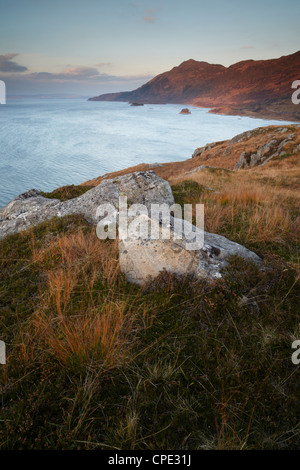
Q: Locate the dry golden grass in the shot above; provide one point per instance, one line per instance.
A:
(97, 363)
(95, 335)
(78, 321)
(251, 206)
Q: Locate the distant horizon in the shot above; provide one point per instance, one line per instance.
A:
(92, 47)
(61, 95)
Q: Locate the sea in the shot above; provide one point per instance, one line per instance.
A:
(47, 143)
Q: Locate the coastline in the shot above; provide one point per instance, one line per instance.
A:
(262, 114)
(279, 112)
(85, 147)
(222, 155)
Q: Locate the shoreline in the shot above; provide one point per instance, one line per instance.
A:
(285, 113)
(92, 154)
(221, 155)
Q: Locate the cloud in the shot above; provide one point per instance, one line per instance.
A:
(47, 83)
(80, 72)
(73, 73)
(149, 19)
(103, 64)
(247, 47)
(8, 65)
(89, 80)
(84, 74)
(150, 16)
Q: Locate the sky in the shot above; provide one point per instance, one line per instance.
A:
(89, 47)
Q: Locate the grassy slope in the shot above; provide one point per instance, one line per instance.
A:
(94, 362)
(223, 154)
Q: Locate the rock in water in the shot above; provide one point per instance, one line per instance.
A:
(31, 208)
(144, 259)
(185, 111)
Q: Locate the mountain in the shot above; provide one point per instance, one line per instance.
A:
(260, 88)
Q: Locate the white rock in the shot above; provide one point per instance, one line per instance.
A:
(143, 259)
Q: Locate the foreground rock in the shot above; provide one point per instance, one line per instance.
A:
(139, 258)
(31, 208)
(144, 259)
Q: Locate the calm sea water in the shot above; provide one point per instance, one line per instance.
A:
(49, 143)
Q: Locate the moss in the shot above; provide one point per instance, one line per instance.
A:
(187, 192)
(67, 192)
(283, 156)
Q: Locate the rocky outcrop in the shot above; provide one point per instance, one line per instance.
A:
(264, 153)
(31, 208)
(247, 150)
(200, 150)
(143, 259)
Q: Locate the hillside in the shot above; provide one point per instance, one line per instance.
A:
(255, 88)
(95, 362)
(280, 146)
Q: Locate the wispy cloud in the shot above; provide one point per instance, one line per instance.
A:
(103, 64)
(74, 73)
(247, 47)
(8, 65)
(149, 19)
(150, 16)
(71, 79)
(84, 74)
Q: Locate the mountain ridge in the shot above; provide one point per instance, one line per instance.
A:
(258, 88)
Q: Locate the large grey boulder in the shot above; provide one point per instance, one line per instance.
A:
(142, 259)
(31, 208)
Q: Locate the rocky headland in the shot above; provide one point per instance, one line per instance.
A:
(256, 88)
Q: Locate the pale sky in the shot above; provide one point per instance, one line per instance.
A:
(89, 47)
